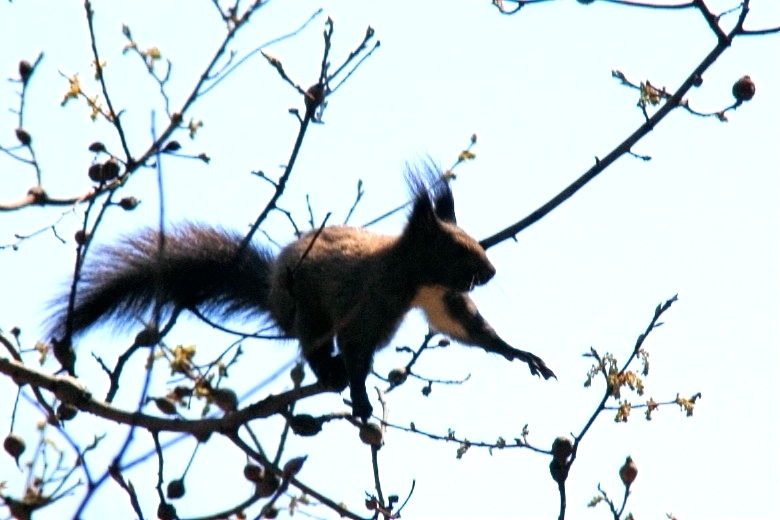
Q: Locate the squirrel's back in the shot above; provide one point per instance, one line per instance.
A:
(329, 271)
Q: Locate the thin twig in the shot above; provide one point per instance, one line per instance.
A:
(650, 5)
(450, 437)
(282, 182)
(101, 78)
(338, 508)
(621, 149)
(222, 76)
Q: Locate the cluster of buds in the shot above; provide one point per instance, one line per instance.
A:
(102, 172)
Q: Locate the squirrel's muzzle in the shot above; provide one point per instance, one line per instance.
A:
(485, 272)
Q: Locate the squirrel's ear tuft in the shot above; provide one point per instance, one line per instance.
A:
(431, 191)
(423, 215)
(444, 202)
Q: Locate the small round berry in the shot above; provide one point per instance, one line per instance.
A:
(561, 449)
(744, 89)
(14, 445)
(628, 472)
(371, 434)
(175, 489)
(25, 70)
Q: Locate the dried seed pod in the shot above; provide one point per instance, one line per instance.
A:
(166, 511)
(268, 485)
(109, 170)
(397, 376)
(166, 406)
(628, 472)
(25, 70)
(97, 147)
(305, 425)
(371, 434)
(744, 89)
(253, 472)
(14, 445)
(296, 374)
(147, 337)
(128, 203)
(561, 449)
(175, 489)
(315, 95)
(94, 172)
(66, 412)
(23, 136)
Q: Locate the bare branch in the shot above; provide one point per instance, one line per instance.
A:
(113, 115)
(70, 391)
(673, 101)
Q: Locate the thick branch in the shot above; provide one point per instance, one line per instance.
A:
(69, 390)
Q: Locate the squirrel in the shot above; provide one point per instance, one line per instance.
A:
(338, 284)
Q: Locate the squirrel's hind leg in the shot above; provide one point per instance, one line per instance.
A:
(316, 336)
(327, 366)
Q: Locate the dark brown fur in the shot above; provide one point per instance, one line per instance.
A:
(345, 284)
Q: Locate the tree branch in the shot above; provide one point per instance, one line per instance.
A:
(624, 147)
(70, 390)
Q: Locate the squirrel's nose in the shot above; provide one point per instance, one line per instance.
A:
(486, 272)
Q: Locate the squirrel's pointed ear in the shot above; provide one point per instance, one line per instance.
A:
(432, 194)
(423, 213)
(445, 203)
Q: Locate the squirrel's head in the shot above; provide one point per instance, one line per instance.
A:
(443, 254)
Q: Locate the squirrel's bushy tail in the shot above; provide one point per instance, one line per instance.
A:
(197, 267)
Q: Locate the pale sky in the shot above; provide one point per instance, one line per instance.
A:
(700, 220)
